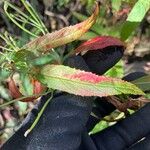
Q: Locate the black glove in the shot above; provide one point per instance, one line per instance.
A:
(65, 123)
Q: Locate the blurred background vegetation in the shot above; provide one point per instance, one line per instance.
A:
(57, 14)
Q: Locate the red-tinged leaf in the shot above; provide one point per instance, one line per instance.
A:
(61, 37)
(38, 87)
(84, 83)
(15, 93)
(99, 43)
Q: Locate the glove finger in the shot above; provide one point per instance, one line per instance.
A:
(101, 109)
(87, 143)
(133, 76)
(144, 144)
(100, 61)
(77, 62)
(126, 132)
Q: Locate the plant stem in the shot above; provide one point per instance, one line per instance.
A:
(38, 116)
(6, 39)
(34, 15)
(19, 99)
(41, 22)
(29, 10)
(25, 21)
(15, 22)
(15, 8)
(6, 48)
(24, 16)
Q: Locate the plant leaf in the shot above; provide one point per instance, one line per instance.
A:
(139, 10)
(96, 28)
(147, 95)
(136, 15)
(116, 4)
(22, 60)
(66, 35)
(15, 93)
(127, 29)
(84, 83)
(98, 43)
(26, 85)
(143, 83)
(116, 71)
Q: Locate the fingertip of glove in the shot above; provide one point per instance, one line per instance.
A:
(103, 107)
(99, 61)
(76, 62)
(133, 76)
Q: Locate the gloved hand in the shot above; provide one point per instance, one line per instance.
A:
(66, 121)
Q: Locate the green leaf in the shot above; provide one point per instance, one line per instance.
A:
(27, 87)
(128, 29)
(99, 127)
(22, 59)
(139, 10)
(4, 74)
(4, 93)
(22, 108)
(116, 4)
(135, 17)
(147, 95)
(45, 59)
(84, 83)
(116, 71)
(143, 83)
